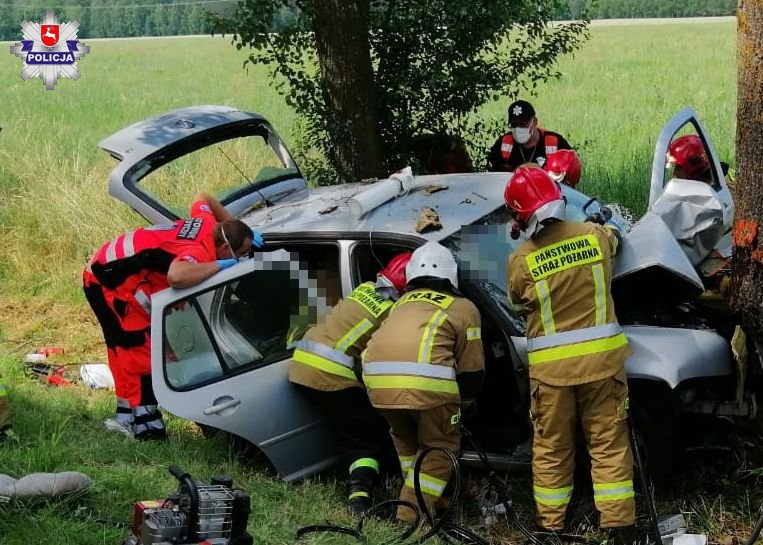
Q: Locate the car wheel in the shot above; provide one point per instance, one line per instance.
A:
(655, 414)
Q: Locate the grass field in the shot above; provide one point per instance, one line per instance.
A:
(613, 97)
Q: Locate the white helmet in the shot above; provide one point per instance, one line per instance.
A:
(433, 259)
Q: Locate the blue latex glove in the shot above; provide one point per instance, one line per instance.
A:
(257, 240)
(225, 263)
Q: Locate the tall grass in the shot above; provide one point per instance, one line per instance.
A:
(611, 101)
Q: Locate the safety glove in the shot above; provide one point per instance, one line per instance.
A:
(225, 263)
(257, 239)
(601, 217)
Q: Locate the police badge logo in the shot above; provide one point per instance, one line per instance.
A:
(50, 50)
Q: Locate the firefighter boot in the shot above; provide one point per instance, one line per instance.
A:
(625, 535)
(363, 475)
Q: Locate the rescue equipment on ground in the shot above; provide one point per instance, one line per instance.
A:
(36, 485)
(213, 514)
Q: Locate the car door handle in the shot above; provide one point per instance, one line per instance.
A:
(214, 409)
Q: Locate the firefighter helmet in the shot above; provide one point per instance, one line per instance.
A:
(564, 167)
(688, 153)
(433, 259)
(534, 196)
(394, 273)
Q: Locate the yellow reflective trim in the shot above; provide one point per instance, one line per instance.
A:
(427, 339)
(574, 350)
(429, 484)
(473, 333)
(352, 336)
(359, 495)
(552, 496)
(365, 462)
(367, 297)
(564, 490)
(614, 497)
(546, 314)
(432, 297)
(612, 486)
(380, 382)
(323, 364)
(564, 255)
(601, 294)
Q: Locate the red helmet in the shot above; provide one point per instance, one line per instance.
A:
(395, 270)
(529, 189)
(688, 153)
(564, 167)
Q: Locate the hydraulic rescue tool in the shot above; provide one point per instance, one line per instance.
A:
(197, 514)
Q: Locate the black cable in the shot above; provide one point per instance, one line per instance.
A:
(756, 531)
(654, 529)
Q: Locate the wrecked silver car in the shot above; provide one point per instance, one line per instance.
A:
(221, 349)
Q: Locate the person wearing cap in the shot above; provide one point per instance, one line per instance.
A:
(526, 142)
(326, 367)
(421, 367)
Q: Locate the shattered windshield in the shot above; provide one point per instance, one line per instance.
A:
(482, 249)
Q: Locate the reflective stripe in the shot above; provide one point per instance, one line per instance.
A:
(410, 383)
(111, 251)
(427, 340)
(359, 495)
(352, 336)
(552, 496)
(613, 491)
(473, 333)
(323, 364)
(406, 462)
(409, 369)
(144, 300)
(547, 316)
(575, 350)
(574, 336)
(127, 244)
(550, 150)
(325, 352)
(365, 462)
(429, 484)
(601, 294)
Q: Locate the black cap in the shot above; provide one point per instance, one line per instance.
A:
(520, 111)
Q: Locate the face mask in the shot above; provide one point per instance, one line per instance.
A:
(521, 134)
(232, 254)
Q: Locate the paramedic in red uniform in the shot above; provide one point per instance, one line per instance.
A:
(123, 274)
(526, 142)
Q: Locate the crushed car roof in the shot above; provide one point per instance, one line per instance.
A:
(468, 198)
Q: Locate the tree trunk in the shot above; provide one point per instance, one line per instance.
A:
(747, 282)
(344, 58)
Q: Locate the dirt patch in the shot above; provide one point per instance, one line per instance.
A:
(30, 323)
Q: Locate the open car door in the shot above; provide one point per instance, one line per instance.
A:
(235, 155)
(220, 356)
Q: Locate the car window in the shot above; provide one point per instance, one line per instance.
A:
(223, 169)
(249, 322)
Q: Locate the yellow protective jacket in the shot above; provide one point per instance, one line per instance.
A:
(428, 340)
(327, 356)
(560, 280)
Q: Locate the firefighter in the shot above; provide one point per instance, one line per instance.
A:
(526, 142)
(326, 366)
(422, 366)
(560, 280)
(564, 167)
(6, 431)
(123, 274)
(688, 159)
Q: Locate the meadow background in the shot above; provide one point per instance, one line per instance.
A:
(612, 99)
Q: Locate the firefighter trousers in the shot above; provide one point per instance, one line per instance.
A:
(600, 408)
(413, 432)
(361, 432)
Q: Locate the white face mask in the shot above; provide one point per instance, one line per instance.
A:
(521, 134)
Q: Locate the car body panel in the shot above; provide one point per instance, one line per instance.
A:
(147, 145)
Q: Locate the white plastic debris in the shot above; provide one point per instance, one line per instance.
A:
(97, 376)
(35, 358)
